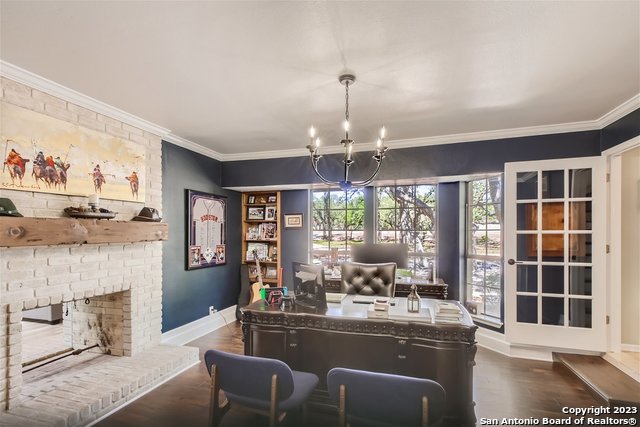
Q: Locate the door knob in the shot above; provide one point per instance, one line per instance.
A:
(511, 261)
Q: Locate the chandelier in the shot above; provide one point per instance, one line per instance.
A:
(347, 143)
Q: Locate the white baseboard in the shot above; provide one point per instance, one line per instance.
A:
(495, 341)
(191, 331)
(630, 347)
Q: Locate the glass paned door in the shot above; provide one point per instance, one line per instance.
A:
(555, 253)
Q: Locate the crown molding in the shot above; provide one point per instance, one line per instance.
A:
(20, 75)
(35, 81)
(192, 146)
(426, 141)
(620, 111)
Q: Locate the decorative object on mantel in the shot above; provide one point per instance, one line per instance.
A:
(148, 214)
(347, 143)
(15, 232)
(48, 155)
(7, 208)
(84, 212)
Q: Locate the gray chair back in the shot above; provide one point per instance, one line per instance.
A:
(250, 376)
(368, 279)
(378, 399)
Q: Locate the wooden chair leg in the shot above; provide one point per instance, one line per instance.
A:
(273, 407)
(342, 409)
(425, 411)
(213, 400)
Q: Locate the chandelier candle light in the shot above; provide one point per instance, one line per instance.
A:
(347, 143)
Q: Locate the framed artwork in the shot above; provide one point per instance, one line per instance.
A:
(255, 213)
(251, 200)
(293, 220)
(206, 230)
(49, 155)
(272, 199)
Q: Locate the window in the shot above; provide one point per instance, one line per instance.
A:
(484, 245)
(407, 214)
(338, 222)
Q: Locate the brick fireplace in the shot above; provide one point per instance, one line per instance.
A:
(123, 282)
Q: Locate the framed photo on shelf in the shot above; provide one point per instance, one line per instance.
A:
(271, 213)
(206, 230)
(255, 213)
(261, 199)
(251, 200)
(269, 231)
(293, 220)
(271, 273)
(253, 271)
(272, 199)
(262, 249)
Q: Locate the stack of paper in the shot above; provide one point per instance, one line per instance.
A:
(447, 312)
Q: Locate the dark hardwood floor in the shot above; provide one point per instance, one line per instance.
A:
(503, 387)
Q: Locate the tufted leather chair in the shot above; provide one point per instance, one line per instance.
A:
(368, 279)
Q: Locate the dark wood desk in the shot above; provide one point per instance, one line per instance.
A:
(342, 336)
(426, 288)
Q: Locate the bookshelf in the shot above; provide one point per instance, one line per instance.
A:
(261, 232)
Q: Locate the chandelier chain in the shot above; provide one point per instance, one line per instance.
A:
(346, 101)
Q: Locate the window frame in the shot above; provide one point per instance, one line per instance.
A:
(329, 258)
(491, 319)
(413, 254)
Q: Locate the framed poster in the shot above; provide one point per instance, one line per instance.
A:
(206, 230)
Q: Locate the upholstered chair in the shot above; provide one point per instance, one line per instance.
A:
(384, 400)
(266, 386)
(368, 279)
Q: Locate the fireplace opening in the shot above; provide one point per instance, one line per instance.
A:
(69, 337)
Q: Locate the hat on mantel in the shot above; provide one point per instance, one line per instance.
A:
(148, 214)
(7, 208)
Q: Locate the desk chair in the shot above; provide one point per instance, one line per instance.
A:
(368, 279)
(385, 400)
(266, 386)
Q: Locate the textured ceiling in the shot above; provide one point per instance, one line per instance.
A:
(241, 77)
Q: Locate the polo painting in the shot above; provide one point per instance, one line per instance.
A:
(48, 155)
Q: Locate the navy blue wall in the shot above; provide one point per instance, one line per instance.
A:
(419, 162)
(187, 295)
(620, 131)
(294, 241)
(450, 251)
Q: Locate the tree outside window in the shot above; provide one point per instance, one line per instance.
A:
(407, 214)
(338, 222)
(484, 245)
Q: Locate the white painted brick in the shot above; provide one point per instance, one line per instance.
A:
(46, 252)
(22, 100)
(63, 278)
(14, 86)
(93, 274)
(91, 123)
(81, 111)
(50, 291)
(61, 260)
(61, 113)
(117, 131)
(48, 99)
(51, 270)
(109, 121)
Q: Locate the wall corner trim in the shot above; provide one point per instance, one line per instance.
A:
(192, 146)
(191, 331)
(620, 111)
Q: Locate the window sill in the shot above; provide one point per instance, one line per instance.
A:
(486, 320)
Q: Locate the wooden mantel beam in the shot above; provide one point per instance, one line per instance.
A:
(15, 231)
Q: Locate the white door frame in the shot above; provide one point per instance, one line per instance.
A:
(614, 232)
